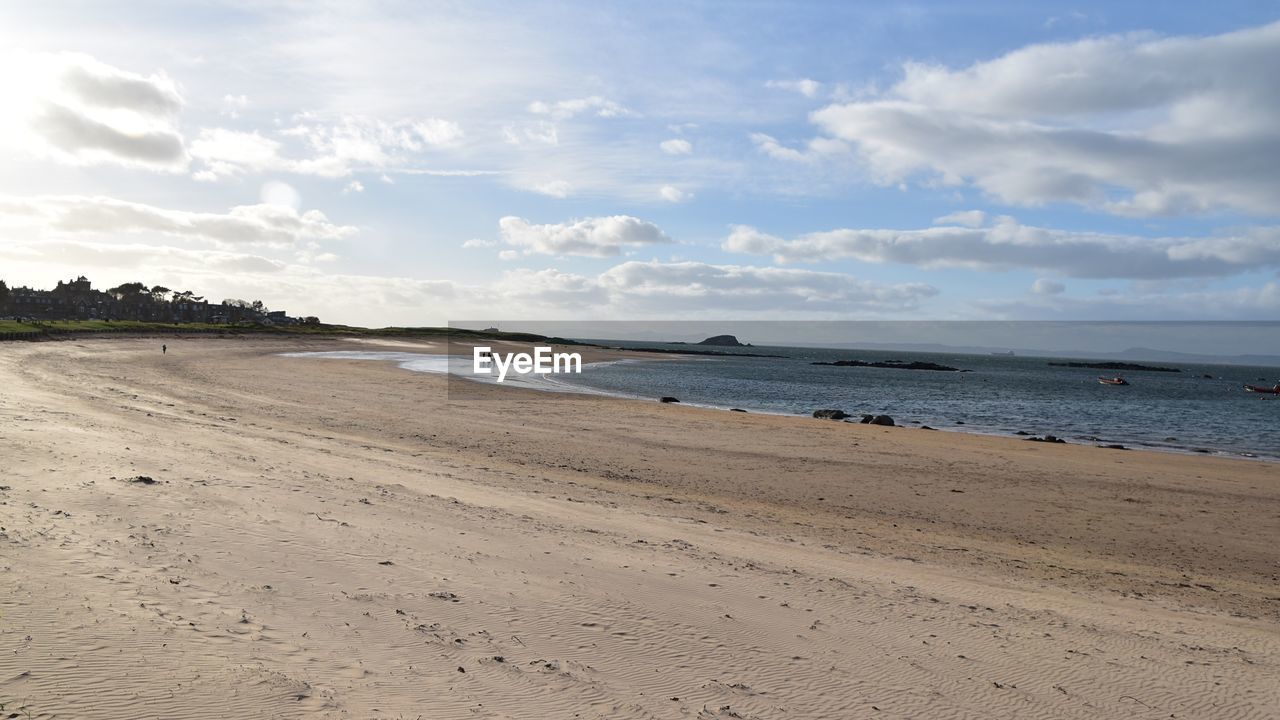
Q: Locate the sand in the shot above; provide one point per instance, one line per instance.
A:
(336, 539)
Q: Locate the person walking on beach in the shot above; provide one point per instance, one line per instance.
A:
(164, 349)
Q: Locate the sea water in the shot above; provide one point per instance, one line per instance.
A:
(1181, 411)
(998, 394)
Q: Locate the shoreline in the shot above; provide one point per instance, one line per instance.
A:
(569, 386)
(975, 430)
(427, 346)
(342, 540)
(967, 444)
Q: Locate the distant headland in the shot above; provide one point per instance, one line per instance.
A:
(75, 307)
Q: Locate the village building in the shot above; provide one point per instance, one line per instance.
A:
(78, 300)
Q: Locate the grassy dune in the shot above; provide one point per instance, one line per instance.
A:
(135, 326)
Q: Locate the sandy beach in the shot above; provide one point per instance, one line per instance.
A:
(222, 532)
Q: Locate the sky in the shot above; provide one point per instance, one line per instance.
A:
(415, 163)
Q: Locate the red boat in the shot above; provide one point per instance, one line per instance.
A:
(1113, 381)
(1259, 389)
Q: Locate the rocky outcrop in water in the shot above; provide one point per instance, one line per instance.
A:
(1114, 366)
(892, 365)
(723, 341)
(830, 414)
(1048, 439)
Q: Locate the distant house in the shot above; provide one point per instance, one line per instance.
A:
(192, 311)
(280, 317)
(72, 300)
(29, 303)
(77, 300)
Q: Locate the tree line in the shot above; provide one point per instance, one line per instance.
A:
(131, 300)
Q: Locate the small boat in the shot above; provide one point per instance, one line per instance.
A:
(1113, 381)
(1259, 389)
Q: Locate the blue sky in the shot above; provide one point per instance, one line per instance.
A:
(412, 163)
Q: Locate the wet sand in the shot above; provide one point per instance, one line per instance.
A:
(338, 539)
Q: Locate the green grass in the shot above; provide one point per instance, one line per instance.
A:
(59, 326)
(89, 326)
(12, 326)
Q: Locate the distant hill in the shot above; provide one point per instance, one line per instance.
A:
(1140, 353)
(1136, 353)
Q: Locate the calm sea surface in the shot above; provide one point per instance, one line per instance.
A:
(1183, 411)
(1000, 395)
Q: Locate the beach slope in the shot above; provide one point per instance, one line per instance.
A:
(224, 532)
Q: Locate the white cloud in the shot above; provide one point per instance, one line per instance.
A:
(595, 104)
(80, 111)
(227, 152)
(266, 224)
(436, 172)
(81, 138)
(431, 131)
(96, 84)
(676, 146)
(633, 289)
(630, 289)
(673, 194)
(804, 86)
(681, 286)
(1130, 124)
(280, 194)
(551, 288)
(770, 146)
(96, 255)
(967, 218)
(233, 104)
(331, 150)
(547, 132)
(591, 237)
(1044, 286)
(746, 239)
(1007, 244)
(355, 186)
(540, 133)
(553, 188)
(815, 149)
